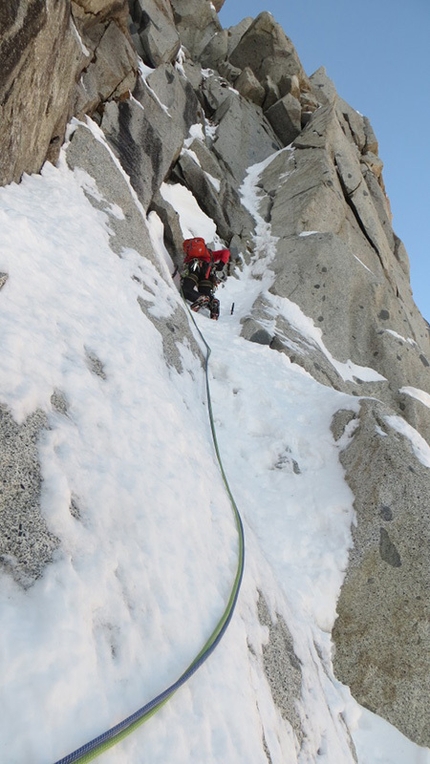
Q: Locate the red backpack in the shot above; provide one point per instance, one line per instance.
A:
(196, 249)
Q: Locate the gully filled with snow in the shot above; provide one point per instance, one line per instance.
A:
(143, 543)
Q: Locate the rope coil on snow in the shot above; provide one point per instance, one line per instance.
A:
(108, 739)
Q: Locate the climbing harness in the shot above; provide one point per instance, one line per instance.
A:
(108, 739)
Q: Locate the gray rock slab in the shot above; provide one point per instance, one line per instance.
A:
(371, 172)
(371, 141)
(308, 195)
(87, 153)
(145, 138)
(176, 94)
(283, 668)
(207, 159)
(342, 131)
(360, 318)
(244, 136)
(354, 121)
(215, 190)
(381, 635)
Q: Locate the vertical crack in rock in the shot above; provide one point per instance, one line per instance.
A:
(353, 208)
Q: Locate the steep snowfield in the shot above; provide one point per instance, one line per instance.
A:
(132, 489)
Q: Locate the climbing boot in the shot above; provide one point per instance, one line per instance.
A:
(214, 308)
(201, 302)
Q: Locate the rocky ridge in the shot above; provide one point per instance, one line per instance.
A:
(179, 99)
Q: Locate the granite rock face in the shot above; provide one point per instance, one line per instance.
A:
(41, 58)
(384, 602)
(338, 259)
(143, 133)
(57, 60)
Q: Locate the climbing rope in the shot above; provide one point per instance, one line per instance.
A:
(111, 737)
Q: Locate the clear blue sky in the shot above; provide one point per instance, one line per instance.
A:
(377, 52)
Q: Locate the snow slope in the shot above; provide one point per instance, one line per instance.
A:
(133, 492)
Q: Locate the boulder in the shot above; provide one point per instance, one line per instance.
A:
(193, 73)
(196, 22)
(41, 57)
(155, 34)
(228, 71)
(381, 635)
(272, 92)
(285, 116)
(250, 88)
(215, 91)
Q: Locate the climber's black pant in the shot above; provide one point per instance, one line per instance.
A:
(192, 289)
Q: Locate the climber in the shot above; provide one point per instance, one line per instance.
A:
(202, 274)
